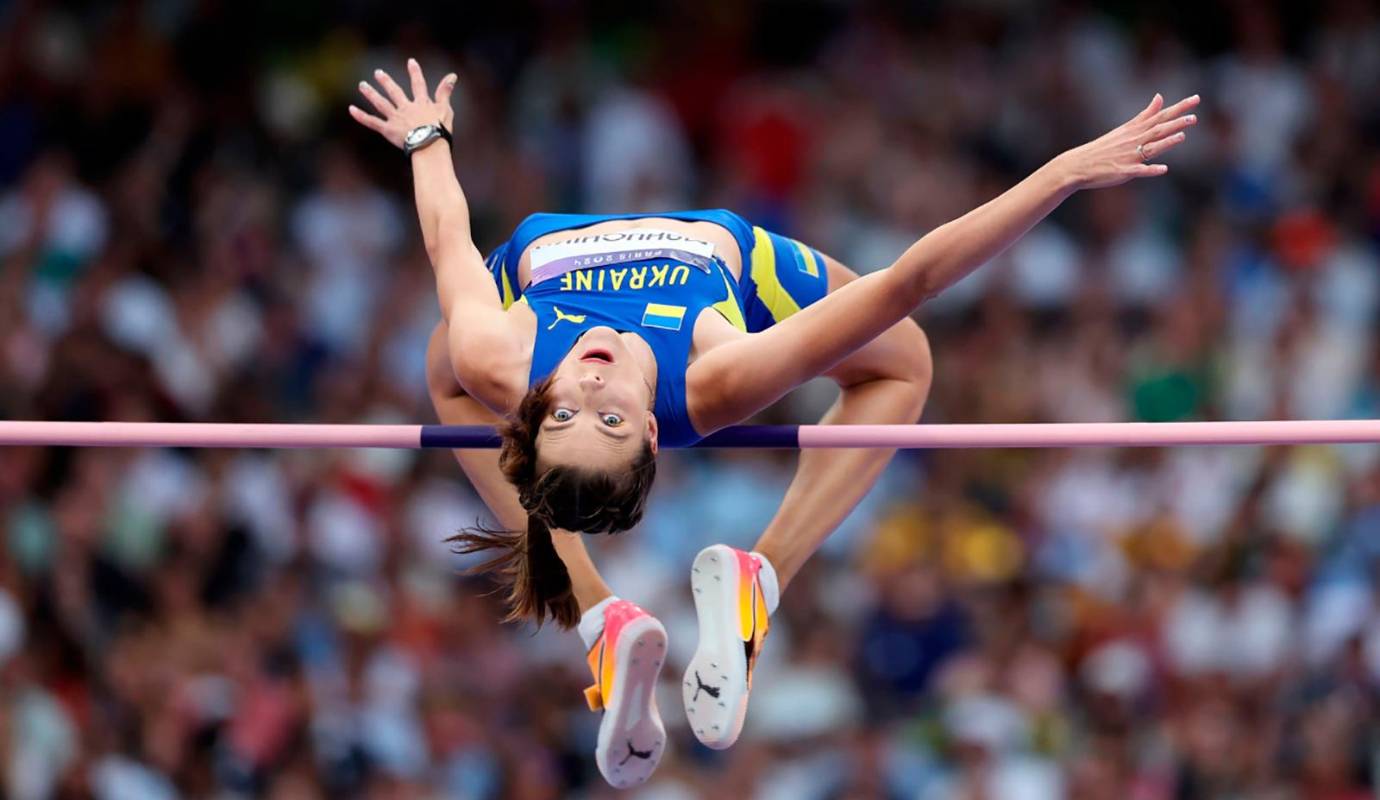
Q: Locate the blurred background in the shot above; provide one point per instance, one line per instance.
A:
(192, 229)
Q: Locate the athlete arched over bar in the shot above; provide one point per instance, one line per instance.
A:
(599, 338)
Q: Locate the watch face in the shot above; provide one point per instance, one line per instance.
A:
(418, 135)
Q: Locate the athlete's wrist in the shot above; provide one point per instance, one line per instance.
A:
(1061, 175)
(437, 151)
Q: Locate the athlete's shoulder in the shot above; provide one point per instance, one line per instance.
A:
(541, 223)
(544, 218)
(548, 221)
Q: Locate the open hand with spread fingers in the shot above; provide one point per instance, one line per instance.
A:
(399, 116)
(1125, 152)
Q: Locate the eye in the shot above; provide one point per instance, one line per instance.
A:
(612, 420)
(562, 414)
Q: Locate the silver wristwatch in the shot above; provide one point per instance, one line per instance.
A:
(423, 135)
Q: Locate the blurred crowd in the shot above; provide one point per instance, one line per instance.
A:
(190, 229)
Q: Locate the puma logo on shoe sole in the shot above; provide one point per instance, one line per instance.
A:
(712, 691)
(633, 753)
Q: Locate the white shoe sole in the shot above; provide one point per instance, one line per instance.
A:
(715, 685)
(631, 734)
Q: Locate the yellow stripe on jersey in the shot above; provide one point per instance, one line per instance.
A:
(729, 306)
(807, 260)
(769, 289)
(507, 290)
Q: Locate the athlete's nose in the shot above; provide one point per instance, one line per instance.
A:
(591, 380)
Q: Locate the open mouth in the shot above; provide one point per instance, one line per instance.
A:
(597, 356)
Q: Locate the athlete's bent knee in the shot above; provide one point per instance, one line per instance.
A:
(914, 363)
(912, 353)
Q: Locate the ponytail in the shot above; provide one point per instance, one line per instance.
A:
(527, 563)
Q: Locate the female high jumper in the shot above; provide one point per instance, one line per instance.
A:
(598, 339)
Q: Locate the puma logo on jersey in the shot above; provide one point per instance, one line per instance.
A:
(561, 316)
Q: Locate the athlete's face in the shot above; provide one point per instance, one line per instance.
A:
(600, 403)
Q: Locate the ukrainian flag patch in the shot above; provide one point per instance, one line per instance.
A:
(660, 315)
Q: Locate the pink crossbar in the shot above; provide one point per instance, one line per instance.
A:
(1117, 434)
(1093, 434)
(206, 434)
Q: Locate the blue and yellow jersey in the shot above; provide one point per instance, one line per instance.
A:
(659, 297)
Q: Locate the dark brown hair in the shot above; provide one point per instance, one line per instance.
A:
(569, 497)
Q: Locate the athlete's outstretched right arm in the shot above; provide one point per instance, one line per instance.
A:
(479, 340)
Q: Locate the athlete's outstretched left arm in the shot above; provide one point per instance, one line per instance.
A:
(886, 382)
(740, 378)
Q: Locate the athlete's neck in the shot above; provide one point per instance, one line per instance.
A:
(643, 356)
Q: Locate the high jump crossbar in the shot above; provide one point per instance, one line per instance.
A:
(408, 437)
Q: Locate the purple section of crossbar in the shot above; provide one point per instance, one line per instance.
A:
(205, 434)
(1093, 434)
(1117, 434)
(460, 437)
(759, 437)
